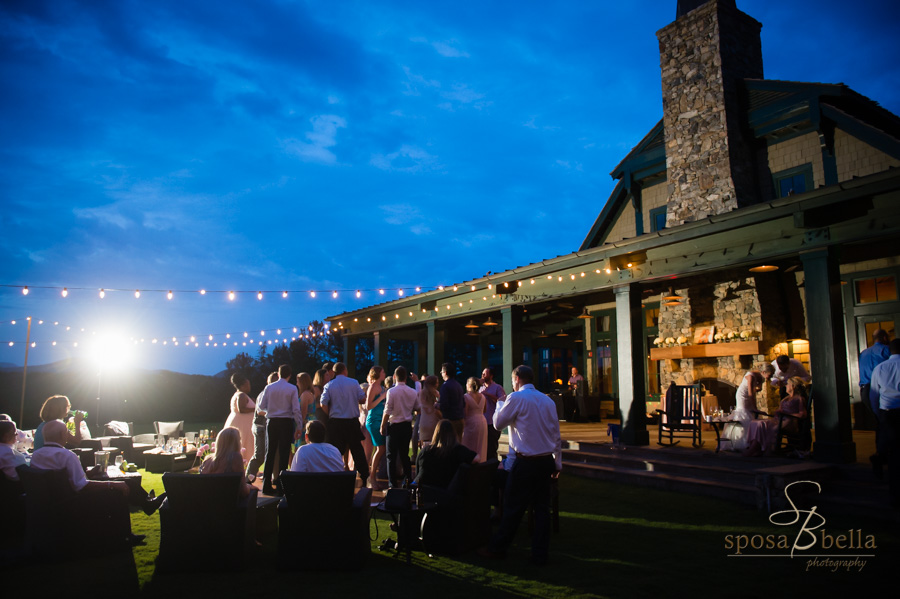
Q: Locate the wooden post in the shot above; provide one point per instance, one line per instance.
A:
(631, 366)
(827, 357)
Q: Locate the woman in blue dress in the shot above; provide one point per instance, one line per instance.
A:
(375, 397)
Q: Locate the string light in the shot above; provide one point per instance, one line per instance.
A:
(400, 291)
(25, 290)
(284, 294)
(381, 291)
(169, 294)
(334, 294)
(137, 294)
(358, 294)
(259, 295)
(65, 292)
(231, 296)
(102, 294)
(312, 294)
(203, 292)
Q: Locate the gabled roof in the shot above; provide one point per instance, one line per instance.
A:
(775, 110)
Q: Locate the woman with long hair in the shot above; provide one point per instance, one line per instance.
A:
(319, 380)
(745, 406)
(437, 464)
(475, 431)
(763, 433)
(307, 397)
(375, 396)
(227, 457)
(242, 410)
(430, 415)
(57, 407)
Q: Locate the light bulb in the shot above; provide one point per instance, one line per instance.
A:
(102, 294)
(440, 287)
(193, 339)
(358, 294)
(65, 292)
(210, 338)
(169, 295)
(455, 288)
(137, 294)
(334, 294)
(400, 292)
(259, 295)
(284, 294)
(245, 335)
(231, 295)
(25, 290)
(418, 289)
(203, 292)
(228, 335)
(312, 294)
(381, 291)
(262, 333)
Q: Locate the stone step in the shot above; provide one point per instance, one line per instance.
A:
(747, 494)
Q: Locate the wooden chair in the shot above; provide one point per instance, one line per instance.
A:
(681, 416)
(205, 511)
(322, 524)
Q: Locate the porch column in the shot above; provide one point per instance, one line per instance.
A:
(509, 354)
(827, 357)
(435, 349)
(350, 355)
(590, 360)
(631, 366)
(380, 350)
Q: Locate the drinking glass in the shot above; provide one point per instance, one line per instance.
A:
(119, 460)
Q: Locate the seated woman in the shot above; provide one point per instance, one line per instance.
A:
(227, 457)
(57, 408)
(745, 405)
(763, 433)
(437, 464)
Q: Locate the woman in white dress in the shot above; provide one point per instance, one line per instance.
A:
(745, 404)
(242, 413)
(475, 431)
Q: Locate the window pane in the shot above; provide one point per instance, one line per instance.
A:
(885, 289)
(651, 317)
(865, 291)
(784, 187)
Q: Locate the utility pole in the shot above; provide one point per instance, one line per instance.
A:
(25, 373)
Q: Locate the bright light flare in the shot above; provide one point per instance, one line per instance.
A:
(111, 350)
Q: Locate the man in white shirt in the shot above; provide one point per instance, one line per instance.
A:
(282, 407)
(396, 426)
(534, 437)
(9, 457)
(110, 495)
(340, 400)
(785, 368)
(317, 455)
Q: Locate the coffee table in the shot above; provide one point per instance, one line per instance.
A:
(158, 460)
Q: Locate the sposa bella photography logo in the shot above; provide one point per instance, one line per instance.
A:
(848, 550)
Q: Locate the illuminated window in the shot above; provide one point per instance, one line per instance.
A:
(878, 289)
(793, 181)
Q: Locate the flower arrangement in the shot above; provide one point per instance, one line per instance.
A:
(205, 450)
(658, 341)
(670, 340)
(681, 340)
(730, 335)
(719, 337)
(745, 335)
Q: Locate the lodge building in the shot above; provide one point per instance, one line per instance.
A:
(759, 210)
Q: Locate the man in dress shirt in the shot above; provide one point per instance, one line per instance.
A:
(317, 455)
(785, 368)
(282, 407)
(110, 496)
(535, 439)
(340, 401)
(396, 425)
(493, 392)
(451, 402)
(576, 387)
(869, 358)
(9, 457)
(885, 389)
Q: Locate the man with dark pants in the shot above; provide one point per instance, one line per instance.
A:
(451, 402)
(493, 393)
(340, 401)
(869, 358)
(396, 425)
(282, 407)
(535, 439)
(885, 389)
(259, 435)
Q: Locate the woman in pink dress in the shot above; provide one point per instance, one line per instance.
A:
(763, 433)
(475, 430)
(242, 413)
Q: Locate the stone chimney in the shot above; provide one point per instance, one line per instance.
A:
(711, 161)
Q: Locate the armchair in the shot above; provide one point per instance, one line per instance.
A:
(461, 520)
(205, 509)
(681, 416)
(320, 516)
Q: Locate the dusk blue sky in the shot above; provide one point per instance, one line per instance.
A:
(330, 145)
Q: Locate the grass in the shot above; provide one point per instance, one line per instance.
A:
(615, 541)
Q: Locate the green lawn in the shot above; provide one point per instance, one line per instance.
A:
(615, 541)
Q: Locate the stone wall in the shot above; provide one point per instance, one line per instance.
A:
(704, 55)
